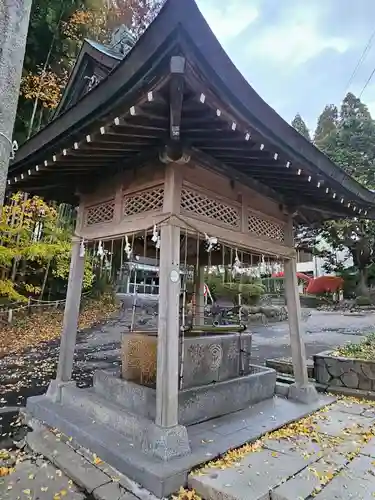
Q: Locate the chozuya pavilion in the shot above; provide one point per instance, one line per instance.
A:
(168, 148)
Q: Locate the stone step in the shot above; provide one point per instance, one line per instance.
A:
(159, 477)
(108, 385)
(143, 433)
(104, 411)
(224, 397)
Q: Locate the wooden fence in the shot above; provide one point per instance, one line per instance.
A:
(9, 313)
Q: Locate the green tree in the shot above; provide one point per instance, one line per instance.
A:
(349, 140)
(35, 246)
(301, 126)
(355, 147)
(57, 30)
(359, 237)
(49, 53)
(326, 127)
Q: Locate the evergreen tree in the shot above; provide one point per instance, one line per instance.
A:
(301, 126)
(355, 149)
(326, 127)
(349, 140)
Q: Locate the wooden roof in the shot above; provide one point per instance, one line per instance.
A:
(177, 86)
(94, 60)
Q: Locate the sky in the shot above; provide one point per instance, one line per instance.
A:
(298, 55)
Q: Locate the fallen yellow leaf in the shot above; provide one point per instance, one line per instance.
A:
(97, 460)
(5, 471)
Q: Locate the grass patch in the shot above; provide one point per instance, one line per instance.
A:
(363, 350)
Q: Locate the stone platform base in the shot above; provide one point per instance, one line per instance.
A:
(207, 440)
(196, 404)
(149, 438)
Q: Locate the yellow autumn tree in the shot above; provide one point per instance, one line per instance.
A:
(44, 85)
(33, 245)
(95, 19)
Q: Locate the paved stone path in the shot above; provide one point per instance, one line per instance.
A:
(51, 466)
(323, 331)
(30, 477)
(329, 455)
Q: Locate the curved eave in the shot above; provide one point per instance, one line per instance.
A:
(249, 108)
(209, 72)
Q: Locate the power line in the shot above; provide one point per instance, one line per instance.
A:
(367, 82)
(360, 61)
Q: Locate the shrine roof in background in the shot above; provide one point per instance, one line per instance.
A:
(94, 62)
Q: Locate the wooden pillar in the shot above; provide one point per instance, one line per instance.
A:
(71, 313)
(168, 328)
(301, 390)
(294, 316)
(199, 296)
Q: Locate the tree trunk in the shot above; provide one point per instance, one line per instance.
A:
(45, 279)
(362, 284)
(14, 22)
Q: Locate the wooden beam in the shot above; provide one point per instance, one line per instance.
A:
(125, 132)
(88, 152)
(121, 141)
(139, 123)
(243, 241)
(176, 90)
(129, 225)
(210, 133)
(203, 119)
(237, 150)
(208, 161)
(256, 165)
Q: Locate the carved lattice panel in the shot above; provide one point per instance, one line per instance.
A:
(265, 228)
(205, 206)
(144, 201)
(102, 212)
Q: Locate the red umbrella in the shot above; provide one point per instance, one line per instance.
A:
(300, 276)
(325, 284)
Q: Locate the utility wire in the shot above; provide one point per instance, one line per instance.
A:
(360, 61)
(367, 82)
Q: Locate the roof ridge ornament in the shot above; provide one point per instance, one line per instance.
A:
(93, 82)
(122, 40)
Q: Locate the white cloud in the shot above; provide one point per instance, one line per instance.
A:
(295, 39)
(296, 44)
(228, 20)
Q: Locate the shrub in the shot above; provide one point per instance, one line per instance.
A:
(363, 300)
(250, 292)
(363, 350)
(312, 301)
